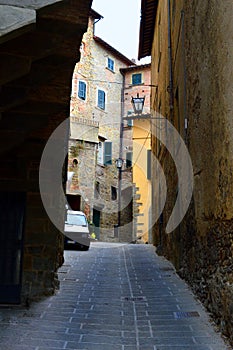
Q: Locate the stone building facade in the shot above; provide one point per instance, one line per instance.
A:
(191, 47)
(96, 99)
(137, 81)
(37, 40)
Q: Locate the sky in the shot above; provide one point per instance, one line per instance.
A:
(120, 25)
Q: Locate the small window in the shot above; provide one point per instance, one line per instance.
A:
(97, 189)
(129, 121)
(137, 79)
(75, 162)
(101, 99)
(110, 64)
(82, 90)
(82, 47)
(113, 193)
(129, 158)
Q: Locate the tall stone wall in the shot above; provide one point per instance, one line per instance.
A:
(209, 263)
(201, 247)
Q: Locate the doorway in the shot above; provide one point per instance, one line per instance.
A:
(96, 222)
(12, 215)
(74, 201)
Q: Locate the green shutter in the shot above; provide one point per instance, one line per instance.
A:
(136, 79)
(129, 158)
(149, 164)
(107, 153)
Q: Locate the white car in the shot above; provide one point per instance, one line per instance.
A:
(77, 230)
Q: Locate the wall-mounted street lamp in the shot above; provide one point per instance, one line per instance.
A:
(138, 104)
(119, 163)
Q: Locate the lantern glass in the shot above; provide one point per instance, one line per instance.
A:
(138, 103)
(119, 163)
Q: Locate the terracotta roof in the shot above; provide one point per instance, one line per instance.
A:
(135, 67)
(147, 24)
(113, 51)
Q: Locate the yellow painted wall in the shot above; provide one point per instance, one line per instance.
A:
(142, 143)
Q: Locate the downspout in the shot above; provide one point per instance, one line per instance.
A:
(121, 151)
(95, 24)
(170, 87)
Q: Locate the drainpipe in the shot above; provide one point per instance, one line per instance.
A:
(121, 151)
(170, 87)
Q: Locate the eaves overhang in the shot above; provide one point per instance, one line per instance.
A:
(147, 24)
(95, 14)
(135, 68)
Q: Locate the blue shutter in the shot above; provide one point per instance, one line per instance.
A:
(82, 90)
(107, 153)
(101, 99)
(110, 64)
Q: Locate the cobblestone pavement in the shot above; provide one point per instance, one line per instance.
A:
(113, 297)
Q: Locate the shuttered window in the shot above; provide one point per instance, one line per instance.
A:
(137, 79)
(110, 64)
(82, 90)
(101, 99)
(107, 153)
(129, 157)
(149, 164)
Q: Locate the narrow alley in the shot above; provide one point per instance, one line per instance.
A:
(113, 297)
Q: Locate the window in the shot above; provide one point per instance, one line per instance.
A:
(136, 79)
(82, 90)
(149, 164)
(76, 219)
(129, 157)
(75, 162)
(101, 99)
(113, 193)
(97, 189)
(110, 64)
(104, 153)
(107, 153)
(130, 121)
(82, 47)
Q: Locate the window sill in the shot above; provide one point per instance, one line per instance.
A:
(110, 70)
(100, 109)
(139, 84)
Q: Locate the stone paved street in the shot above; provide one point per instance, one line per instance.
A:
(113, 297)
